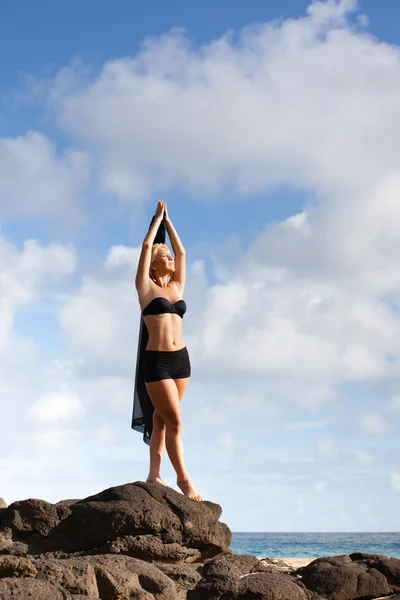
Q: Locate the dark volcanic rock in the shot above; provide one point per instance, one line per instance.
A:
(151, 548)
(145, 541)
(107, 577)
(222, 576)
(269, 586)
(143, 509)
(389, 567)
(186, 577)
(32, 516)
(13, 566)
(340, 578)
(142, 520)
(25, 589)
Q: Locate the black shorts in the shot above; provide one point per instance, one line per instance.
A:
(161, 364)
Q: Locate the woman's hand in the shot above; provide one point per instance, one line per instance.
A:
(160, 209)
(165, 212)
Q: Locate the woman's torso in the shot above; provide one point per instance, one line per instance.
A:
(165, 330)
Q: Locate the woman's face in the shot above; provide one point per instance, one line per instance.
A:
(164, 261)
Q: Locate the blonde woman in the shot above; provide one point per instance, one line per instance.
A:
(160, 281)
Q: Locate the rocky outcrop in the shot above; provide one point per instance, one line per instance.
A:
(355, 577)
(141, 520)
(143, 541)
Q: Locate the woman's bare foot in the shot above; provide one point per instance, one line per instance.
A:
(152, 479)
(188, 489)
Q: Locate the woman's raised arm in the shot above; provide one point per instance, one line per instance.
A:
(142, 280)
(179, 251)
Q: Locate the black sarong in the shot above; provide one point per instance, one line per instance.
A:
(142, 417)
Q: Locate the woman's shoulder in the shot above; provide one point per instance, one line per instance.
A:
(174, 285)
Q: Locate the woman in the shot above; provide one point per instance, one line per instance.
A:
(160, 281)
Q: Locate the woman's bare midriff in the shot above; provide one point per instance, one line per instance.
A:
(165, 332)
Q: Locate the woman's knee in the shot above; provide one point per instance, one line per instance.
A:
(158, 421)
(173, 422)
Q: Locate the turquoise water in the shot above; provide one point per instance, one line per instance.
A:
(312, 545)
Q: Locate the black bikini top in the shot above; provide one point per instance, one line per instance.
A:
(160, 305)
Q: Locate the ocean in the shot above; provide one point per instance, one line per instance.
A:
(312, 545)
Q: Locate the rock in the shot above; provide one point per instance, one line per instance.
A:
(31, 516)
(3, 503)
(75, 575)
(146, 541)
(151, 548)
(239, 564)
(107, 577)
(389, 567)
(12, 566)
(222, 576)
(7, 546)
(66, 503)
(23, 589)
(269, 586)
(184, 576)
(142, 509)
(340, 578)
(122, 576)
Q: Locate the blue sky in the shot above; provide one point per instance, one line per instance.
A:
(271, 130)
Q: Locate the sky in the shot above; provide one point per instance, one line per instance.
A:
(272, 131)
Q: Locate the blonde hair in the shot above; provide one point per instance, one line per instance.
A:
(154, 251)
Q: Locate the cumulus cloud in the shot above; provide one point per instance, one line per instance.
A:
(395, 481)
(365, 458)
(101, 320)
(374, 424)
(26, 274)
(259, 109)
(56, 407)
(327, 448)
(252, 112)
(36, 182)
(320, 486)
(394, 403)
(305, 425)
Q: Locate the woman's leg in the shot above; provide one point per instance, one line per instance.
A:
(185, 484)
(157, 448)
(165, 397)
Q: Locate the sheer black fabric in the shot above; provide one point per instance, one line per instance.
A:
(142, 417)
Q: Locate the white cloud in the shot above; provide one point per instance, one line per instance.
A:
(305, 425)
(101, 321)
(260, 110)
(56, 438)
(394, 404)
(36, 182)
(327, 448)
(365, 458)
(28, 273)
(320, 486)
(122, 257)
(225, 444)
(56, 407)
(395, 482)
(374, 424)
(255, 113)
(298, 507)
